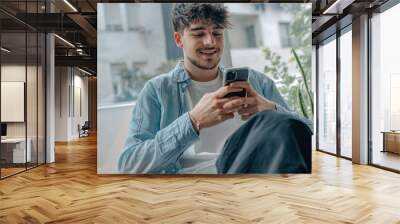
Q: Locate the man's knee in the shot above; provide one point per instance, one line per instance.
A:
(297, 127)
(277, 128)
(276, 117)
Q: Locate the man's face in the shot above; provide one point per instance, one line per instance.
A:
(202, 44)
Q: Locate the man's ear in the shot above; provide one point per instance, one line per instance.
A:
(178, 39)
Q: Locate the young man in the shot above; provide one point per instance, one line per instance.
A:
(182, 123)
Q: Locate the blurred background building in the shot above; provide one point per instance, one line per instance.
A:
(136, 43)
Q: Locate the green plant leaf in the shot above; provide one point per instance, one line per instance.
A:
(303, 74)
(301, 103)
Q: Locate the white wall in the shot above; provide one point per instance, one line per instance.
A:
(67, 116)
(61, 103)
(13, 72)
(112, 130)
(80, 83)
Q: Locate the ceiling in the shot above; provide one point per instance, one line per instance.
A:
(76, 25)
(332, 15)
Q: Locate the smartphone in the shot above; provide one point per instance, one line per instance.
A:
(233, 75)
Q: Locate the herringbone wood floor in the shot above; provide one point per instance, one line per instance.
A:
(70, 191)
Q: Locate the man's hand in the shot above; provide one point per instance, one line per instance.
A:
(209, 111)
(250, 105)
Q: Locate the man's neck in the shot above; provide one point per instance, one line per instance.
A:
(198, 74)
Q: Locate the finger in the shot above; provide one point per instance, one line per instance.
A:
(219, 102)
(248, 110)
(250, 101)
(221, 92)
(229, 116)
(222, 112)
(233, 104)
(239, 84)
(241, 101)
(243, 84)
(224, 116)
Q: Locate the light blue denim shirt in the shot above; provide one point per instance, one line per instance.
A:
(161, 130)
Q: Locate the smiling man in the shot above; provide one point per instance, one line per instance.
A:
(182, 123)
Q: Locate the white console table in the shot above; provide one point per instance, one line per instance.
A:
(19, 149)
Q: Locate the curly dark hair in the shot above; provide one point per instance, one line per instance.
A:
(183, 14)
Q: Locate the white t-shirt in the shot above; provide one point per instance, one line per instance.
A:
(201, 156)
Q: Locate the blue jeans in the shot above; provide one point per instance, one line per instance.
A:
(270, 142)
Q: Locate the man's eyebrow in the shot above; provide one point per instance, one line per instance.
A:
(203, 28)
(197, 28)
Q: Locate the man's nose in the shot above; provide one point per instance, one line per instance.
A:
(209, 40)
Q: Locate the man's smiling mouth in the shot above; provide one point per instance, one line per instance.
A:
(208, 52)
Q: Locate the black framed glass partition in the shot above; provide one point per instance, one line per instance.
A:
(345, 82)
(335, 125)
(13, 145)
(13, 109)
(334, 89)
(385, 89)
(327, 96)
(22, 66)
(31, 97)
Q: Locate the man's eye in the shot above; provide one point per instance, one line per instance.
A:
(198, 34)
(217, 34)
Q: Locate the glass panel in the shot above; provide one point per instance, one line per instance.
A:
(346, 94)
(13, 87)
(327, 97)
(31, 100)
(386, 89)
(22, 82)
(41, 98)
(314, 90)
(31, 87)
